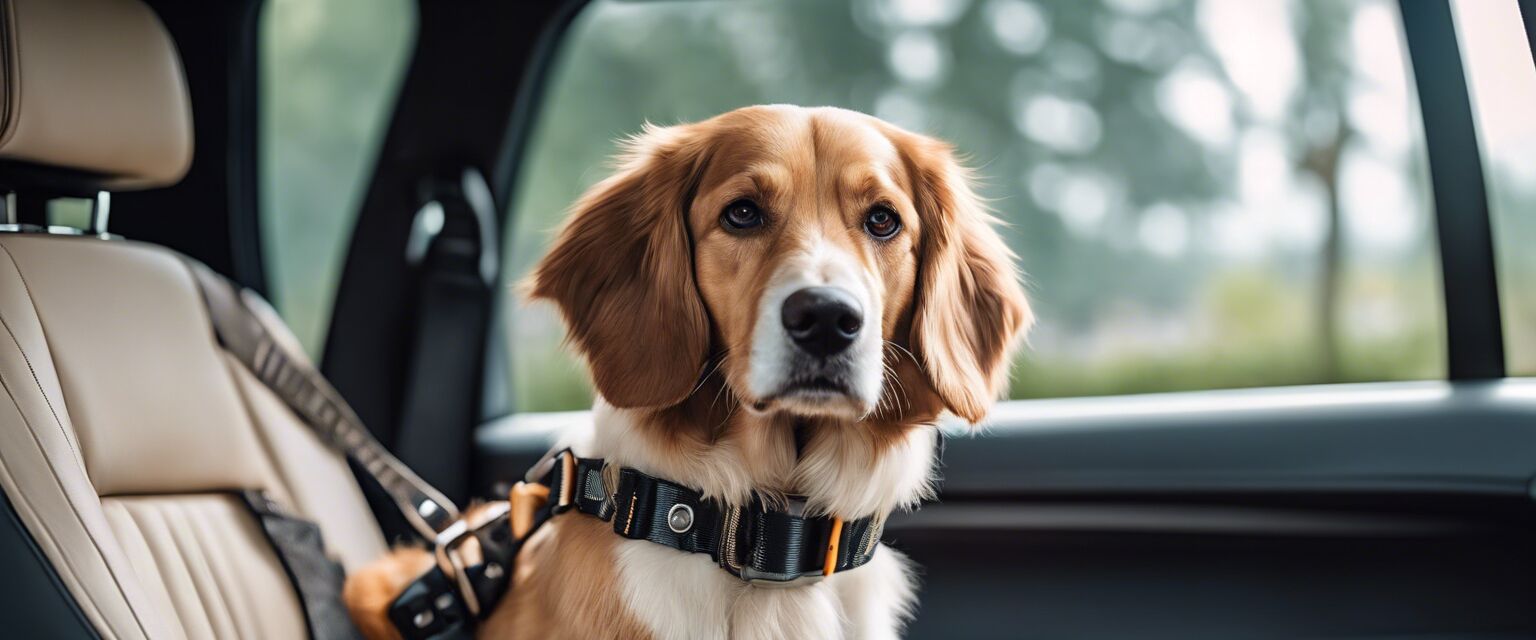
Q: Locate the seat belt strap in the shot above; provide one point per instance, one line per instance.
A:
(237, 317)
(455, 282)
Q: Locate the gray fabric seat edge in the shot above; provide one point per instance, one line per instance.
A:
(125, 429)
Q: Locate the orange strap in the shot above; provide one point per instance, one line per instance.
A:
(830, 566)
(526, 498)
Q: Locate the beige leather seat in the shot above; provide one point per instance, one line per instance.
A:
(125, 429)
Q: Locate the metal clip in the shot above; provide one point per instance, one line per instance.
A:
(450, 558)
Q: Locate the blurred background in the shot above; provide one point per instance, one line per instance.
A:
(1203, 193)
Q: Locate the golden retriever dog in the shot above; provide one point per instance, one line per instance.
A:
(778, 301)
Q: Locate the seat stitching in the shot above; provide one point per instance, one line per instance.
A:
(202, 528)
(202, 570)
(20, 497)
(163, 562)
(27, 359)
(58, 481)
(137, 532)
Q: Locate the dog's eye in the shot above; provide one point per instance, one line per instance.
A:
(882, 223)
(741, 215)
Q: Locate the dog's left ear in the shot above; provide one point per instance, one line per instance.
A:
(621, 272)
(970, 309)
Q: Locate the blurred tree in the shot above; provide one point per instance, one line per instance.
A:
(1321, 128)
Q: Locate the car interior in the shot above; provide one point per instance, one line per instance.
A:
(1374, 508)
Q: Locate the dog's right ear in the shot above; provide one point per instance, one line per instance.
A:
(971, 310)
(621, 272)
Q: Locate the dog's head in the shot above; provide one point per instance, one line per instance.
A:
(823, 262)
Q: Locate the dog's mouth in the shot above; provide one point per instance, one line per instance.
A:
(817, 386)
(814, 394)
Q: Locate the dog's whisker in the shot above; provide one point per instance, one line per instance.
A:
(725, 389)
(903, 350)
(719, 362)
(734, 405)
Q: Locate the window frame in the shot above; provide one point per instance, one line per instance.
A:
(1463, 232)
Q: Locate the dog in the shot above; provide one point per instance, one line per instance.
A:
(778, 301)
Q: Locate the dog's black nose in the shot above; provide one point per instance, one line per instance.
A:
(823, 321)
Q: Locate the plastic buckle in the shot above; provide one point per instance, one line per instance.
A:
(524, 500)
(567, 461)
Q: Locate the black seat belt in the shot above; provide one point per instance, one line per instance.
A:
(453, 247)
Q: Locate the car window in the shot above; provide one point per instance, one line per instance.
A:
(329, 74)
(1502, 80)
(1203, 194)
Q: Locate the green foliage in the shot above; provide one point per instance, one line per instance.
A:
(328, 75)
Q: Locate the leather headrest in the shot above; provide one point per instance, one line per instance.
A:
(93, 89)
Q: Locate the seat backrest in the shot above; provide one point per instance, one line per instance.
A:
(126, 431)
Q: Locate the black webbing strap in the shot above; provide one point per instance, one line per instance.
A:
(237, 320)
(318, 579)
(757, 543)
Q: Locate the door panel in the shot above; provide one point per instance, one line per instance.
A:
(1341, 511)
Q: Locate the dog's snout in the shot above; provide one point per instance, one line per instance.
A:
(822, 321)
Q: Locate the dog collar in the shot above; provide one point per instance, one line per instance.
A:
(764, 545)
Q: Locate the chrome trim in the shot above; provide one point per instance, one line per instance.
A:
(768, 580)
(478, 194)
(424, 229)
(101, 208)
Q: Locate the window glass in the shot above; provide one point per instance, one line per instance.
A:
(329, 70)
(1502, 80)
(1204, 194)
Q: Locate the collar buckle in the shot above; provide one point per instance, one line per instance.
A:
(796, 508)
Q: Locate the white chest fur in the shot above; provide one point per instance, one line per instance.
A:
(682, 596)
(678, 595)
